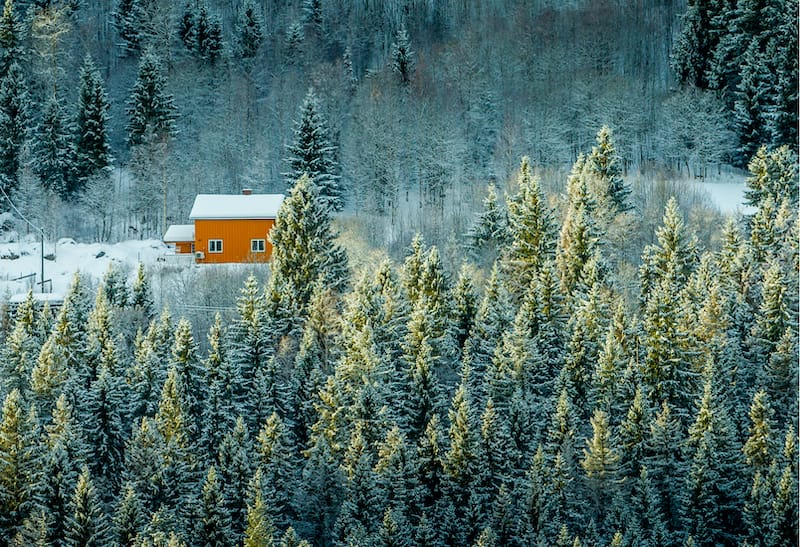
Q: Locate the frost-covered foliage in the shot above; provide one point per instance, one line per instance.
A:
(407, 409)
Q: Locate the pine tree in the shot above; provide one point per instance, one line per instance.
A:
(713, 494)
(235, 471)
(312, 153)
(751, 103)
(645, 521)
(17, 464)
(259, 531)
(665, 461)
(11, 35)
(604, 165)
(304, 252)
(126, 20)
(249, 30)
(579, 239)
(773, 174)
(530, 225)
(208, 35)
(489, 235)
(128, 518)
(92, 149)
(758, 449)
(151, 111)
(87, 525)
(465, 306)
(601, 465)
(275, 461)
(141, 295)
(694, 50)
(213, 527)
(115, 287)
(187, 30)
(402, 57)
(15, 122)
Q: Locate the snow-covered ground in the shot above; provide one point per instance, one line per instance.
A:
(22, 256)
(727, 196)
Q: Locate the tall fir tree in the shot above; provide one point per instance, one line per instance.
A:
(249, 30)
(15, 123)
(604, 165)
(151, 109)
(86, 525)
(402, 57)
(92, 147)
(18, 432)
(11, 37)
(304, 251)
(312, 153)
(531, 229)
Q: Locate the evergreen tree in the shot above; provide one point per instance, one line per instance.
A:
(17, 465)
(151, 111)
(604, 165)
(141, 295)
(92, 149)
(235, 471)
(87, 525)
(751, 101)
(15, 122)
(530, 225)
(645, 521)
(773, 174)
(128, 518)
(601, 465)
(304, 252)
(712, 499)
(465, 306)
(126, 20)
(259, 531)
(489, 235)
(187, 30)
(11, 36)
(249, 30)
(213, 527)
(694, 50)
(115, 286)
(665, 461)
(312, 153)
(579, 239)
(402, 57)
(208, 35)
(275, 462)
(758, 449)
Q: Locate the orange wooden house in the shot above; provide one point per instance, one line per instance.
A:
(228, 228)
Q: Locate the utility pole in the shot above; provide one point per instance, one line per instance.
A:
(32, 225)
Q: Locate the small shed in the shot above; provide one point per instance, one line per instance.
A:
(181, 236)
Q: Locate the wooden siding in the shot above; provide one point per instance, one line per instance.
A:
(235, 235)
(183, 247)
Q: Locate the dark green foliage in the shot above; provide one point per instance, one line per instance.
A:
(151, 111)
(86, 526)
(92, 148)
(250, 30)
(313, 154)
(15, 124)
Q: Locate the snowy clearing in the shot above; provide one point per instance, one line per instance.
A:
(21, 256)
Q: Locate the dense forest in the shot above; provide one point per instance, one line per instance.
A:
(496, 313)
(116, 113)
(532, 398)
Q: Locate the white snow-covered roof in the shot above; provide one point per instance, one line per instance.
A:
(179, 232)
(236, 206)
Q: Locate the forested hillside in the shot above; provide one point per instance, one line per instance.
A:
(117, 112)
(496, 312)
(534, 400)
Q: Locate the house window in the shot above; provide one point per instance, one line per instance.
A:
(257, 245)
(214, 245)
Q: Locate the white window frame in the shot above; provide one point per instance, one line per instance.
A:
(262, 243)
(212, 248)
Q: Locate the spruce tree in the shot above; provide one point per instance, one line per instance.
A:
(86, 525)
(312, 153)
(601, 464)
(187, 30)
(249, 30)
(92, 149)
(208, 35)
(15, 122)
(141, 295)
(489, 235)
(126, 20)
(531, 229)
(402, 57)
(213, 528)
(304, 251)
(259, 531)
(11, 35)
(751, 102)
(17, 465)
(128, 517)
(604, 165)
(235, 471)
(151, 111)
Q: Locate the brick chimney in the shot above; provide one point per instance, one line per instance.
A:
(246, 191)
